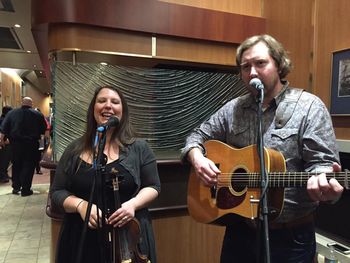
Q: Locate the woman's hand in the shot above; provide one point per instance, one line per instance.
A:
(123, 215)
(127, 212)
(82, 208)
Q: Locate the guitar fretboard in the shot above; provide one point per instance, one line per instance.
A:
(280, 180)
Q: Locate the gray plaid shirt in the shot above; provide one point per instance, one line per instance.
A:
(301, 129)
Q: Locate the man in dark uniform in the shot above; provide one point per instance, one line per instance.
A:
(23, 126)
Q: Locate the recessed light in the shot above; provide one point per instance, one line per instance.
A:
(28, 51)
(17, 25)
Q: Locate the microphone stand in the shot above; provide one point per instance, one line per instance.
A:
(99, 164)
(264, 180)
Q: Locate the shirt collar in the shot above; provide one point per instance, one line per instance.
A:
(280, 95)
(250, 102)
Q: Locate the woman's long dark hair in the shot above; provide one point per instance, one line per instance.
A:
(123, 133)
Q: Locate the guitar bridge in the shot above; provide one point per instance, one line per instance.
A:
(253, 201)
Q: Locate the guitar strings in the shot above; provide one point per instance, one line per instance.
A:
(275, 178)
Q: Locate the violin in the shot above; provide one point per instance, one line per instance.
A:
(123, 240)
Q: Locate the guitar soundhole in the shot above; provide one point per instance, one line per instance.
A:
(239, 180)
(227, 198)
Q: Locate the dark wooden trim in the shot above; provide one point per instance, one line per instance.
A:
(150, 16)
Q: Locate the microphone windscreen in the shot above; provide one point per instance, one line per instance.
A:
(113, 121)
(256, 83)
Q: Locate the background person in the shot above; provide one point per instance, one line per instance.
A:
(5, 151)
(132, 157)
(304, 135)
(23, 126)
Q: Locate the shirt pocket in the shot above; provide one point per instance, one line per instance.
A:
(239, 136)
(284, 134)
(285, 141)
(239, 129)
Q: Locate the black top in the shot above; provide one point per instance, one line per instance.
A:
(136, 164)
(23, 124)
(73, 225)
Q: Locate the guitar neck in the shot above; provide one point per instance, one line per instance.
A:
(289, 179)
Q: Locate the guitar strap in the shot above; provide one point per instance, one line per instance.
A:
(286, 108)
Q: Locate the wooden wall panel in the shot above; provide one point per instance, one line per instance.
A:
(290, 22)
(90, 38)
(311, 31)
(147, 16)
(197, 51)
(180, 239)
(331, 34)
(243, 7)
(87, 39)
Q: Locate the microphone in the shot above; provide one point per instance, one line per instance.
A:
(113, 121)
(256, 83)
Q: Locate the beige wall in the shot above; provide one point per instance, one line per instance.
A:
(11, 92)
(10, 89)
(40, 100)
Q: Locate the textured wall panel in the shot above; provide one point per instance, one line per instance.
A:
(165, 105)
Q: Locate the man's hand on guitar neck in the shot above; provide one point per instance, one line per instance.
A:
(320, 189)
(204, 168)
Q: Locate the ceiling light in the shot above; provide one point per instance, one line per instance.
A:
(103, 63)
(28, 51)
(17, 25)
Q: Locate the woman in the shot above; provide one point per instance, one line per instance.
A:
(134, 161)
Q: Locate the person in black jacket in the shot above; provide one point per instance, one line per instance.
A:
(23, 126)
(5, 152)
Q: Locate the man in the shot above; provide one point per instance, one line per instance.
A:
(23, 126)
(5, 152)
(302, 132)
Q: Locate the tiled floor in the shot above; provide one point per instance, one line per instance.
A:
(25, 231)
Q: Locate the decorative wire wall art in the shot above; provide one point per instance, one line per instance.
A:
(165, 105)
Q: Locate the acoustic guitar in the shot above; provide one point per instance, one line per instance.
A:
(237, 192)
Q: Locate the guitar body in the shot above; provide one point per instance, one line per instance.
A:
(232, 198)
